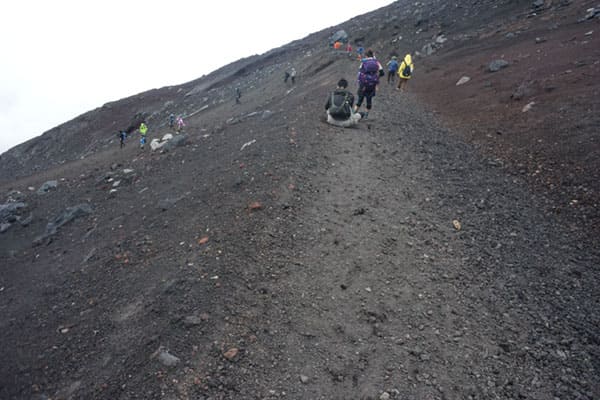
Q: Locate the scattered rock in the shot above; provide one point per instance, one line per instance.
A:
(497, 65)
(167, 359)
(528, 106)
(177, 141)
(4, 227)
(385, 396)
(255, 206)
(457, 225)
(193, 320)
(247, 144)
(231, 353)
(304, 379)
(463, 80)
(47, 186)
(63, 218)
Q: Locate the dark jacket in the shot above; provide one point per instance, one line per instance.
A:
(339, 95)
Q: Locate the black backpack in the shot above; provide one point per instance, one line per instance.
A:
(406, 71)
(339, 111)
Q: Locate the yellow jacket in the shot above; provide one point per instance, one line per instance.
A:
(143, 128)
(407, 61)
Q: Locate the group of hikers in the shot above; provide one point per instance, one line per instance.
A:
(340, 107)
(174, 123)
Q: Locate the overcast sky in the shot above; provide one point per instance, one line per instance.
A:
(61, 58)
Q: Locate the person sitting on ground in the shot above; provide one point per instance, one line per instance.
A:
(405, 71)
(339, 106)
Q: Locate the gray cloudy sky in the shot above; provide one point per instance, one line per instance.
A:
(61, 58)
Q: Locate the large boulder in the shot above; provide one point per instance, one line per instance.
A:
(339, 36)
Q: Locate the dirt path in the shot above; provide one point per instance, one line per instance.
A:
(377, 291)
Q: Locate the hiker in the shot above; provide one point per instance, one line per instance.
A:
(293, 75)
(171, 120)
(287, 76)
(368, 79)
(180, 124)
(392, 69)
(339, 106)
(337, 45)
(405, 71)
(349, 48)
(122, 137)
(360, 51)
(238, 95)
(143, 131)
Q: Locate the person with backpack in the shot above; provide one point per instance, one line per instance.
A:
(122, 137)
(405, 71)
(143, 131)
(368, 79)
(180, 124)
(339, 106)
(291, 73)
(392, 69)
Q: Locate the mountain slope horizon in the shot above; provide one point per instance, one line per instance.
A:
(445, 248)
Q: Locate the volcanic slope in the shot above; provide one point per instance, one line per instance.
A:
(271, 255)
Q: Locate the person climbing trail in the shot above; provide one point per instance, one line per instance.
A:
(180, 124)
(405, 71)
(392, 69)
(368, 79)
(122, 137)
(143, 131)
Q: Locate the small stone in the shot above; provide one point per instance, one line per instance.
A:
(304, 379)
(463, 80)
(231, 353)
(167, 359)
(497, 65)
(192, 320)
(385, 396)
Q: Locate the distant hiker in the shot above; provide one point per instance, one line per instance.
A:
(405, 71)
(392, 69)
(360, 51)
(290, 74)
(143, 131)
(171, 120)
(122, 137)
(238, 95)
(349, 48)
(337, 45)
(180, 124)
(368, 79)
(339, 106)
